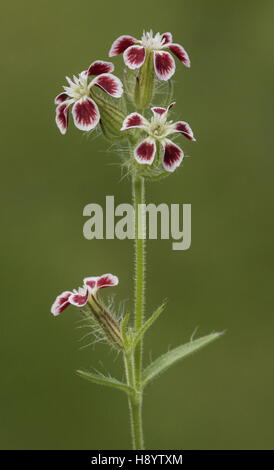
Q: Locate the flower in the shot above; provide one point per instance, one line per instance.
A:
(158, 128)
(135, 51)
(85, 111)
(80, 297)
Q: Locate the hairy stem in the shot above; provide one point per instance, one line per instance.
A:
(139, 198)
(133, 362)
(135, 404)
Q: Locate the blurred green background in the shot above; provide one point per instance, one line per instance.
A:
(222, 397)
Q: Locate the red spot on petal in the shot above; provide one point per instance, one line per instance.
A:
(181, 53)
(173, 156)
(185, 129)
(159, 110)
(167, 37)
(99, 66)
(164, 65)
(60, 98)
(107, 280)
(110, 84)
(134, 56)
(79, 300)
(90, 283)
(62, 117)
(146, 151)
(86, 114)
(121, 44)
(61, 303)
(133, 120)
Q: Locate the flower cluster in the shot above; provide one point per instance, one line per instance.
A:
(150, 57)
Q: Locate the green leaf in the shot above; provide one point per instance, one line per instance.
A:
(171, 357)
(101, 379)
(148, 324)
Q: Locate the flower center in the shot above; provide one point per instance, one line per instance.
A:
(80, 92)
(152, 42)
(78, 88)
(159, 127)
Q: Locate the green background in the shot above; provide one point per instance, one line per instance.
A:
(222, 397)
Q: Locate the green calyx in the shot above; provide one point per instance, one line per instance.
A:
(108, 323)
(144, 87)
(111, 115)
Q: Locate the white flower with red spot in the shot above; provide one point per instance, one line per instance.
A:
(80, 297)
(158, 129)
(134, 52)
(85, 111)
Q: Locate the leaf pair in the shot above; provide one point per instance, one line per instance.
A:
(158, 366)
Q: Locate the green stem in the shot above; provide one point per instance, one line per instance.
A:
(133, 358)
(139, 198)
(135, 405)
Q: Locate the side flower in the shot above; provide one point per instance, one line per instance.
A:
(78, 94)
(87, 296)
(80, 297)
(158, 129)
(136, 51)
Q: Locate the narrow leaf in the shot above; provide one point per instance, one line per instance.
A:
(171, 357)
(148, 324)
(101, 379)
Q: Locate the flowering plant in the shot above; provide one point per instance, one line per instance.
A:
(101, 100)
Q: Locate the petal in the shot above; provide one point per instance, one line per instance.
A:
(100, 66)
(79, 300)
(164, 65)
(61, 118)
(85, 114)
(90, 282)
(181, 53)
(60, 303)
(157, 110)
(185, 129)
(60, 98)
(171, 105)
(134, 57)
(109, 83)
(107, 280)
(121, 44)
(173, 155)
(134, 120)
(145, 152)
(166, 37)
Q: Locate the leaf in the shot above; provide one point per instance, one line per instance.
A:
(148, 324)
(171, 357)
(101, 379)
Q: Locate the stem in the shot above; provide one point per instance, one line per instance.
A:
(133, 358)
(139, 198)
(135, 405)
(133, 361)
